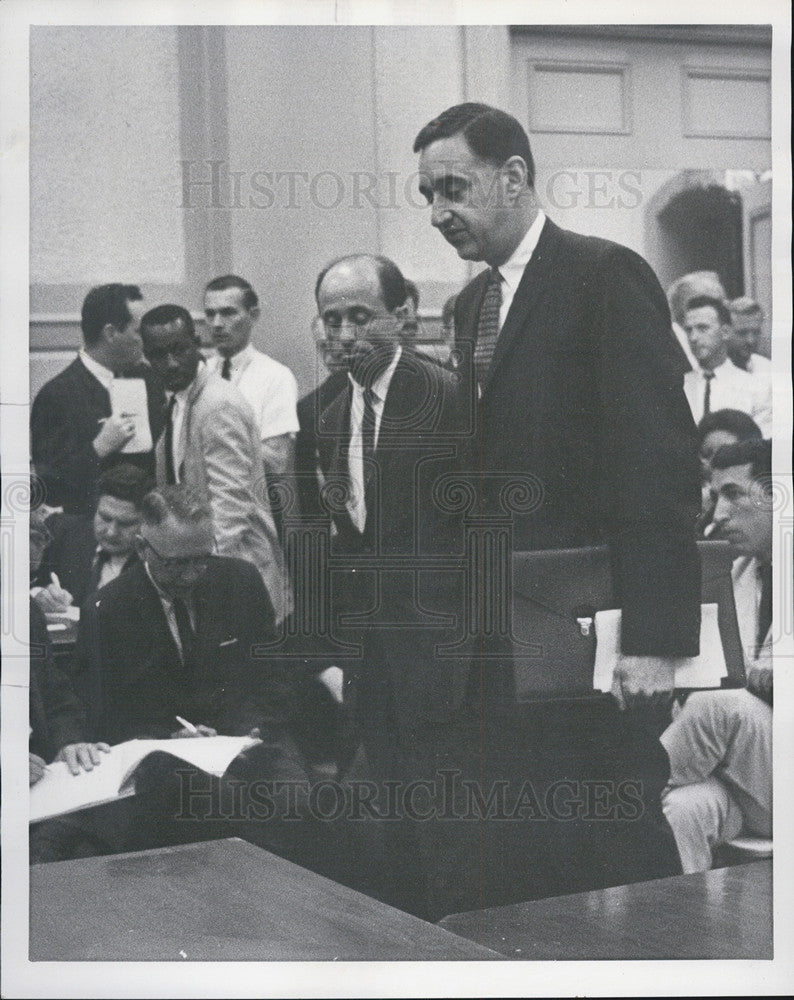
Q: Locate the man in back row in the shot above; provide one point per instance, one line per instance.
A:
(211, 443)
(231, 307)
(74, 433)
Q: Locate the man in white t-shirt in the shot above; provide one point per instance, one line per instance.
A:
(231, 307)
(717, 384)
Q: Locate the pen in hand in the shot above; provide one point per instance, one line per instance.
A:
(186, 725)
(189, 730)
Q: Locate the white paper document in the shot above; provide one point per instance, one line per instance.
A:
(128, 399)
(60, 792)
(704, 671)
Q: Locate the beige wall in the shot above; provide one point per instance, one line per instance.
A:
(117, 112)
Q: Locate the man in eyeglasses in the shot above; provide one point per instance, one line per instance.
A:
(176, 635)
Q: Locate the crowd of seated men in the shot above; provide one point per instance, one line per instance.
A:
(308, 591)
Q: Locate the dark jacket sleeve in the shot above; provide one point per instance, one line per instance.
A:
(63, 460)
(649, 477)
(56, 715)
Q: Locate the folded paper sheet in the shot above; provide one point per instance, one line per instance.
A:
(128, 399)
(61, 792)
(704, 671)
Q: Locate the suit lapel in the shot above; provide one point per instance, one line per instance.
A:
(153, 621)
(535, 281)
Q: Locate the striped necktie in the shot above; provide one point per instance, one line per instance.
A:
(488, 325)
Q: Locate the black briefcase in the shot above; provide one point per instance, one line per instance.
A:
(556, 594)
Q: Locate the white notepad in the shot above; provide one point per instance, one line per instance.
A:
(128, 399)
(60, 792)
(704, 671)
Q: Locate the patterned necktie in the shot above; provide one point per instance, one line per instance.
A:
(226, 370)
(187, 635)
(488, 326)
(764, 606)
(170, 474)
(708, 376)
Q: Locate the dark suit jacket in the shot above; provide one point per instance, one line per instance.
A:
(64, 420)
(71, 554)
(585, 394)
(56, 716)
(421, 429)
(420, 432)
(129, 673)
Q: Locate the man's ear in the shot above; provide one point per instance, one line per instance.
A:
(401, 313)
(515, 174)
(140, 547)
(253, 312)
(109, 333)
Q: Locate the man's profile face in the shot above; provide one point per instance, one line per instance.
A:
(173, 353)
(467, 199)
(176, 554)
(127, 344)
(228, 320)
(361, 331)
(116, 523)
(707, 335)
(743, 338)
(743, 511)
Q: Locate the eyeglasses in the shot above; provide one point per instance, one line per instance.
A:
(180, 562)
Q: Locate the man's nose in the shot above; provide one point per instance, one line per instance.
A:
(217, 322)
(439, 213)
(171, 362)
(721, 511)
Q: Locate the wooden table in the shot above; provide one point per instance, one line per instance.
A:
(725, 913)
(218, 900)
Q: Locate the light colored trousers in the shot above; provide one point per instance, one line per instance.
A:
(720, 750)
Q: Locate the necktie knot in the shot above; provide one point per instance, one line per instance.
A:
(226, 369)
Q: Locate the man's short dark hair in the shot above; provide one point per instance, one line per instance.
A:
(165, 315)
(701, 301)
(125, 482)
(222, 284)
(745, 306)
(184, 503)
(107, 304)
(393, 290)
(491, 134)
(756, 454)
(735, 422)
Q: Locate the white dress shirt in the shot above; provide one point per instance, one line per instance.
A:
(269, 387)
(356, 505)
(512, 270)
(103, 375)
(170, 616)
(111, 567)
(732, 389)
(758, 365)
(177, 419)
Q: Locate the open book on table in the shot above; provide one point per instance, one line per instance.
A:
(60, 792)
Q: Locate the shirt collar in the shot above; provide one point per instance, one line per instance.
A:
(726, 368)
(239, 360)
(380, 387)
(513, 269)
(101, 374)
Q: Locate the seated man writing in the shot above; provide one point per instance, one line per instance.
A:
(85, 552)
(720, 745)
(177, 635)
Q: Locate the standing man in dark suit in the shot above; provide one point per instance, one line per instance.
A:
(579, 381)
(381, 445)
(74, 434)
